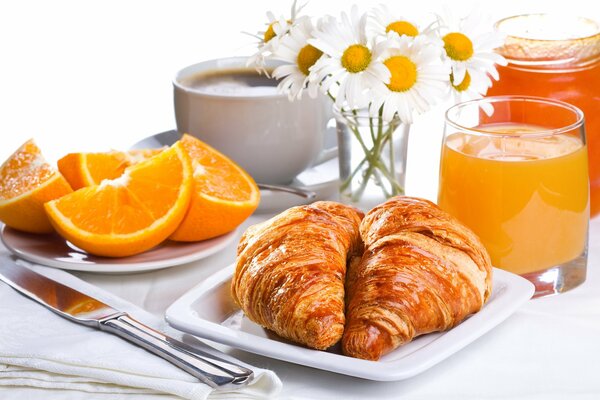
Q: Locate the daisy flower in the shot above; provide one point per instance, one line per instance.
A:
(351, 63)
(471, 88)
(470, 45)
(381, 21)
(268, 40)
(299, 57)
(419, 78)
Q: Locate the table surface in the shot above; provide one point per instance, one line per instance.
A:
(79, 76)
(548, 349)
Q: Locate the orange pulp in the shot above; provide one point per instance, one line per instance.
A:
(526, 198)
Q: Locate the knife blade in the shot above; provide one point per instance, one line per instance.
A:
(83, 309)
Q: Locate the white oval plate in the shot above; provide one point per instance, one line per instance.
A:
(54, 251)
(209, 311)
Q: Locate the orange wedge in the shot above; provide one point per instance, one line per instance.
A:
(129, 214)
(224, 195)
(87, 169)
(27, 181)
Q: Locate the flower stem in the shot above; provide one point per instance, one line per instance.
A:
(373, 167)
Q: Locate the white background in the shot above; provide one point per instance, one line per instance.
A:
(95, 75)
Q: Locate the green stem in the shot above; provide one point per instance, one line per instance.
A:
(376, 170)
(348, 180)
(371, 129)
(370, 155)
(396, 188)
(373, 158)
(392, 158)
(331, 96)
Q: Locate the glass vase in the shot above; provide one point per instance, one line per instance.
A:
(372, 158)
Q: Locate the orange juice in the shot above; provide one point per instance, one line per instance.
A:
(527, 198)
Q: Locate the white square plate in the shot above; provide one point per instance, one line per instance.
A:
(208, 311)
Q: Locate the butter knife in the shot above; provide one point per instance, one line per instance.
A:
(83, 309)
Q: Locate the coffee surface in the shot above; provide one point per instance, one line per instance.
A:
(231, 82)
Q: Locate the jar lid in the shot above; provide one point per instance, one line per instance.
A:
(550, 41)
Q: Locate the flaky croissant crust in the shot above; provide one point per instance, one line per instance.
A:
(291, 270)
(422, 271)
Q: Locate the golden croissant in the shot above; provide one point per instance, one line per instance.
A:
(291, 269)
(421, 271)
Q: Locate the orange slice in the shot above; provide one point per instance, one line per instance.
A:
(87, 169)
(224, 194)
(27, 181)
(129, 214)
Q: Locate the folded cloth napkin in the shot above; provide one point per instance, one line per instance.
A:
(41, 349)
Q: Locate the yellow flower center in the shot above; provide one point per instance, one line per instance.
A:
(356, 58)
(269, 33)
(458, 46)
(404, 73)
(464, 85)
(307, 57)
(402, 28)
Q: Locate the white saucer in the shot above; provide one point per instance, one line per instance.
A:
(54, 251)
(322, 179)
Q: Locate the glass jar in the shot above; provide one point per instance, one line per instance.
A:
(557, 57)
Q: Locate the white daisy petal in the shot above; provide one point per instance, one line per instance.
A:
(375, 106)
(334, 37)
(430, 82)
(381, 72)
(458, 73)
(340, 96)
(476, 29)
(284, 70)
(488, 108)
(293, 80)
(389, 110)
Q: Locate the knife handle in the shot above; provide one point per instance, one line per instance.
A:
(211, 370)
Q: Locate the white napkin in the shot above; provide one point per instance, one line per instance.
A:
(41, 349)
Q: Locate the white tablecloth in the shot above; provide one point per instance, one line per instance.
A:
(549, 349)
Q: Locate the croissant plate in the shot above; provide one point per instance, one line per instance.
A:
(291, 269)
(421, 271)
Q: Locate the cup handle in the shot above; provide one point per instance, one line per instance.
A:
(330, 152)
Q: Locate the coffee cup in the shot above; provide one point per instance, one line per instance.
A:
(240, 113)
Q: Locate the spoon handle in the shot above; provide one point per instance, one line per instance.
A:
(307, 194)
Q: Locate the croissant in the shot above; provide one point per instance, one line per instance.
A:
(290, 272)
(421, 271)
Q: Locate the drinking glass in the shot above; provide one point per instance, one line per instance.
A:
(514, 170)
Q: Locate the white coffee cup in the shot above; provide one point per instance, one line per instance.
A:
(271, 137)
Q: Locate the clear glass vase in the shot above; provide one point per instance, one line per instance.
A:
(372, 157)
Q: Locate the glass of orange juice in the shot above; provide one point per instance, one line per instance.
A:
(514, 169)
